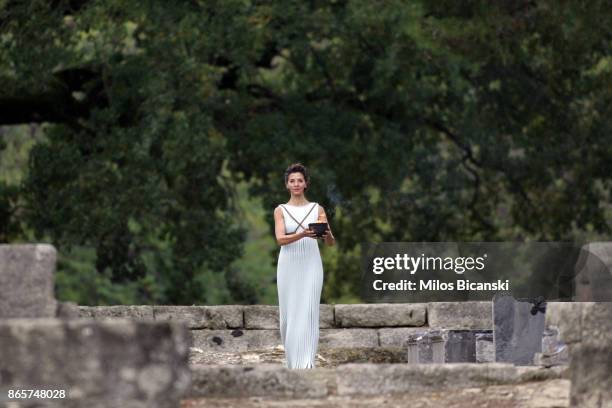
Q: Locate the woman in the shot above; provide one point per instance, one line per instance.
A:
(299, 273)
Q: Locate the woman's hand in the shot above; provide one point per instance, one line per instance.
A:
(308, 233)
(328, 237)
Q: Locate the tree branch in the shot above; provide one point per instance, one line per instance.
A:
(59, 103)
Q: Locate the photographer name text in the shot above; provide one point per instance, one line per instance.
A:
(436, 285)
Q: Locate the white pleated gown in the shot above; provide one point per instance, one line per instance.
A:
(299, 276)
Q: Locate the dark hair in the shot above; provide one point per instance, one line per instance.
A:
(297, 168)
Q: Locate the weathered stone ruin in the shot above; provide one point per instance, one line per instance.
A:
(462, 354)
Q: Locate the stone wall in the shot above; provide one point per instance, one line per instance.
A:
(27, 280)
(241, 328)
(266, 380)
(586, 328)
(95, 364)
(145, 360)
(73, 362)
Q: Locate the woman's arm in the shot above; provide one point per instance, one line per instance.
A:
(328, 236)
(279, 230)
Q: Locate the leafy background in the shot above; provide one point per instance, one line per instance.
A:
(147, 140)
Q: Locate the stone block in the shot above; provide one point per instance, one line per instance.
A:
(396, 336)
(420, 346)
(380, 315)
(536, 373)
(337, 356)
(27, 280)
(202, 317)
(485, 349)
(554, 351)
(442, 346)
(99, 363)
(552, 360)
(326, 316)
(85, 312)
(132, 312)
(235, 340)
(68, 310)
(566, 317)
(353, 380)
(591, 374)
(267, 317)
(459, 346)
(470, 315)
(519, 326)
(329, 338)
(597, 322)
(261, 317)
(369, 379)
(267, 380)
(591, 358)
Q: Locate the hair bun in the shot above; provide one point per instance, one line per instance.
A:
(297, 168)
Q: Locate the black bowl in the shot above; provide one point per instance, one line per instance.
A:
(319, 228)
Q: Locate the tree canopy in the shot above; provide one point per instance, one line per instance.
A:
(420, 121)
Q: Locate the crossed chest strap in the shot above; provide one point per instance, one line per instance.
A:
(303, 219)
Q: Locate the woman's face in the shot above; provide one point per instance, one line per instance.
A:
(296, 183)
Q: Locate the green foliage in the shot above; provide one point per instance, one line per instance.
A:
(472, 121)
(421, 121)
(15, 145)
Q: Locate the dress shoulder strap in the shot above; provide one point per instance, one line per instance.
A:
(309, 211)
(299, 223)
